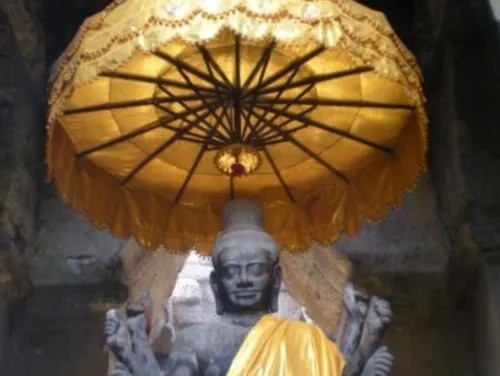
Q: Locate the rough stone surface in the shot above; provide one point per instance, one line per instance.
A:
(487, 318)
(429, 335)
(61, 331)
(69, 249)
(409, 239)
(25, 19)
(20, 158)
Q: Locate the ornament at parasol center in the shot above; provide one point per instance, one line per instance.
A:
(238, 160)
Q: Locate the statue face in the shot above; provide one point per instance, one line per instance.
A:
(246, 278)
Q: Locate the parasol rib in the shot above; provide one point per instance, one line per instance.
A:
(125, 104)
(316, 79)
(236, 92)
(271, 162)
(219, 135)
(285, 70)
(160, 149)
(259, 81)
(212, 111)
(328, 128)
(207, 57)
(278, 174)
(202, 141)
(277, 96)
(269, 132)
(263, 61)
(189, 68)
(304, 148)
(183, 116)
(188, 80)
(137, 132)
(210, 61)
(127, 136)
(191, 173)
(155, 80)
(298, 97)
(197, 161)
(237, 62)
(338, 103)
(217, 140)
(276, 139)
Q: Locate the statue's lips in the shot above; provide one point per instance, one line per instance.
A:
(245, 294)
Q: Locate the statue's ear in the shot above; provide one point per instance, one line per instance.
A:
(219, 307)
(275, 293)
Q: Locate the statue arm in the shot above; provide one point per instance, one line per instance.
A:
(182, 361)
(352, 324)
(379, 364)
(145, 359)
(118, 342)
(367, 360)
(378, 317)
(350, 337)
(119, 370)
(128, 341)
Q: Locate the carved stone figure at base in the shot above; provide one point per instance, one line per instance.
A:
(250, 340)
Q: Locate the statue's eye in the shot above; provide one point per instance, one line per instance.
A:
(256, 269)
(231, 271)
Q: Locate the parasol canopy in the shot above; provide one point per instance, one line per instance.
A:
(162, 110)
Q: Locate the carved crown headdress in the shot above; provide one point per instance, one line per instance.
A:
(244, 218)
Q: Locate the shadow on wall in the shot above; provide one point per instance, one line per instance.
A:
(477, 90)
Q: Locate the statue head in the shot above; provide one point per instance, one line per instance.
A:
(247, 275)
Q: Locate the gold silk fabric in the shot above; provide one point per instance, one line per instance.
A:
(122, 38)
(316, 280)
(281, 347)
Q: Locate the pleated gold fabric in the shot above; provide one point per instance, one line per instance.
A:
(307, 197)
(281, 347)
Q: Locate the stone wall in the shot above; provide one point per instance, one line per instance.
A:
(463, 93)
(487, 318)
(410, 239)
(21, 76)
(68, 249)
(429, 335)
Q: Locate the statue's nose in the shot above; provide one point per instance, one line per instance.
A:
(244, 285)
(244, 280)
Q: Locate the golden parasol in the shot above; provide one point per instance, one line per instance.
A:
(162, 110)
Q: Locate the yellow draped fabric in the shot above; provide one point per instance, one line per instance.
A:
(282, 347)
(168, 202)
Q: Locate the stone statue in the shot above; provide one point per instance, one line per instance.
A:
(250, 340)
